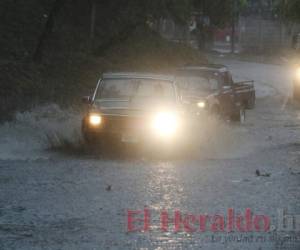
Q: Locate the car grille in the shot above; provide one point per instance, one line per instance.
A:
(117, 124)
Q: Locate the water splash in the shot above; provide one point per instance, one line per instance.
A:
(31, 133)
(37, 133)
(225, 140)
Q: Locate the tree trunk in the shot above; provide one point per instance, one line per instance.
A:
(93, 20)
(233, 26)
(233, 37)
(38, 54)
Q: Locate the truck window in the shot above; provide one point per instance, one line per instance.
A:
(227, 79)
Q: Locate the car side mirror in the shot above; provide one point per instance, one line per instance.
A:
(86, 99)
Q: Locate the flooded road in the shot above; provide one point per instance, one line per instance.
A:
(56, 200)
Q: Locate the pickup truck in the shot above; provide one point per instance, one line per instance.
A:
(134, 108)
(211, 88)
(244, 91)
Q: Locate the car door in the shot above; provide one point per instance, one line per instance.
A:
(226, 96)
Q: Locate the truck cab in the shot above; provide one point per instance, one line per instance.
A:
(211, 88)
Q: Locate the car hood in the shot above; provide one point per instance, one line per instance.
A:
(195, 97)
(134, 107)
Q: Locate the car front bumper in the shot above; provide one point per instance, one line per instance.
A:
(131, 131)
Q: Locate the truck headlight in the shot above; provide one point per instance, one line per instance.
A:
(95, 119)
(165, 123)
(201, 104)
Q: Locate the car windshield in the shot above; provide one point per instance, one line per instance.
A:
(135, 88)
(196, 84)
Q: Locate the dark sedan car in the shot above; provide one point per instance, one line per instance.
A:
(134, 108)
(211, 88)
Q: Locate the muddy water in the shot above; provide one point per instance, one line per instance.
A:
(35, 133)
(31, 133)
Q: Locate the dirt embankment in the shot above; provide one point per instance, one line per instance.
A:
(47, 53)
(63, 79)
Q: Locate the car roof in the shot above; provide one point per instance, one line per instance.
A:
(206, 67)
(134, 75)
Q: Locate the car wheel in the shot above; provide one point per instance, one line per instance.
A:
(215, 111)
(240, 116)
(251, 102)
(90, 140)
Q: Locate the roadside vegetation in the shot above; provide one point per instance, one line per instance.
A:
(50, 54)
(25, 84)
(55, 50)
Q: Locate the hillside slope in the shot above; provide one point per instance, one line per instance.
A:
(71, 62)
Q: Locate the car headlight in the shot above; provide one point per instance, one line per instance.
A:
(165, 123)
(95, 119)
(201, 104)
(298, 73)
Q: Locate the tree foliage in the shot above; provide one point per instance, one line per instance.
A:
(220, 12)
(288, 9)
(37, 26)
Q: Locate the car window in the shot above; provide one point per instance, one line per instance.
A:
(227, 79)
(214, 83)
(194, 84)
(135, 88)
